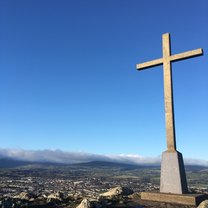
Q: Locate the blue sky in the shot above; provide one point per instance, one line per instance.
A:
(68, 79)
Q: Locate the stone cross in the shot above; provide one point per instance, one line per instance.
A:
(173, 176)
(166, 60)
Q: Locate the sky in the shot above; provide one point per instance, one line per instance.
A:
(68, 78)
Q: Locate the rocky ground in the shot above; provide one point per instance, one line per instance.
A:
(118, 197)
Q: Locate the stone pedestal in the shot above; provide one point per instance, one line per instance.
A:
(173, 176)
(183, 199)
(173, 184)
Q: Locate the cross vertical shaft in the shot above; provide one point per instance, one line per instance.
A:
(168, 94)
(166, 61)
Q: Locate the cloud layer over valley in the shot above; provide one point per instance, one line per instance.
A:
(59, 156)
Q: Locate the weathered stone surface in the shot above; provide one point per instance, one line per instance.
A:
(117, 191)
(85, 204)
(55, 196)
(173, 177)
(23, 196)
(204, 204)
(89, 203)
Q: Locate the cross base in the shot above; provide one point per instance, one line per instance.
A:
(173, 176)
(184, 199)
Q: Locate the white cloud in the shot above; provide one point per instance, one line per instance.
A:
(191, 161)
(60, 156)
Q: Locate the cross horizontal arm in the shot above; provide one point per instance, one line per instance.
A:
(187, 54)
(148, 64)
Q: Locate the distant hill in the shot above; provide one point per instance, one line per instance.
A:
(12, 163)
(102, 164)
(105, 164)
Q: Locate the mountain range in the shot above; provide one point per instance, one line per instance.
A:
(12, 163)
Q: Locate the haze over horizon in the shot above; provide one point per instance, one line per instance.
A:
(69, 83)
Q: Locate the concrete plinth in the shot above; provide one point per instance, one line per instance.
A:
(184, 199)
(173, 176)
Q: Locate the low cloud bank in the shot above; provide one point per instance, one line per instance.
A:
(59, 156)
